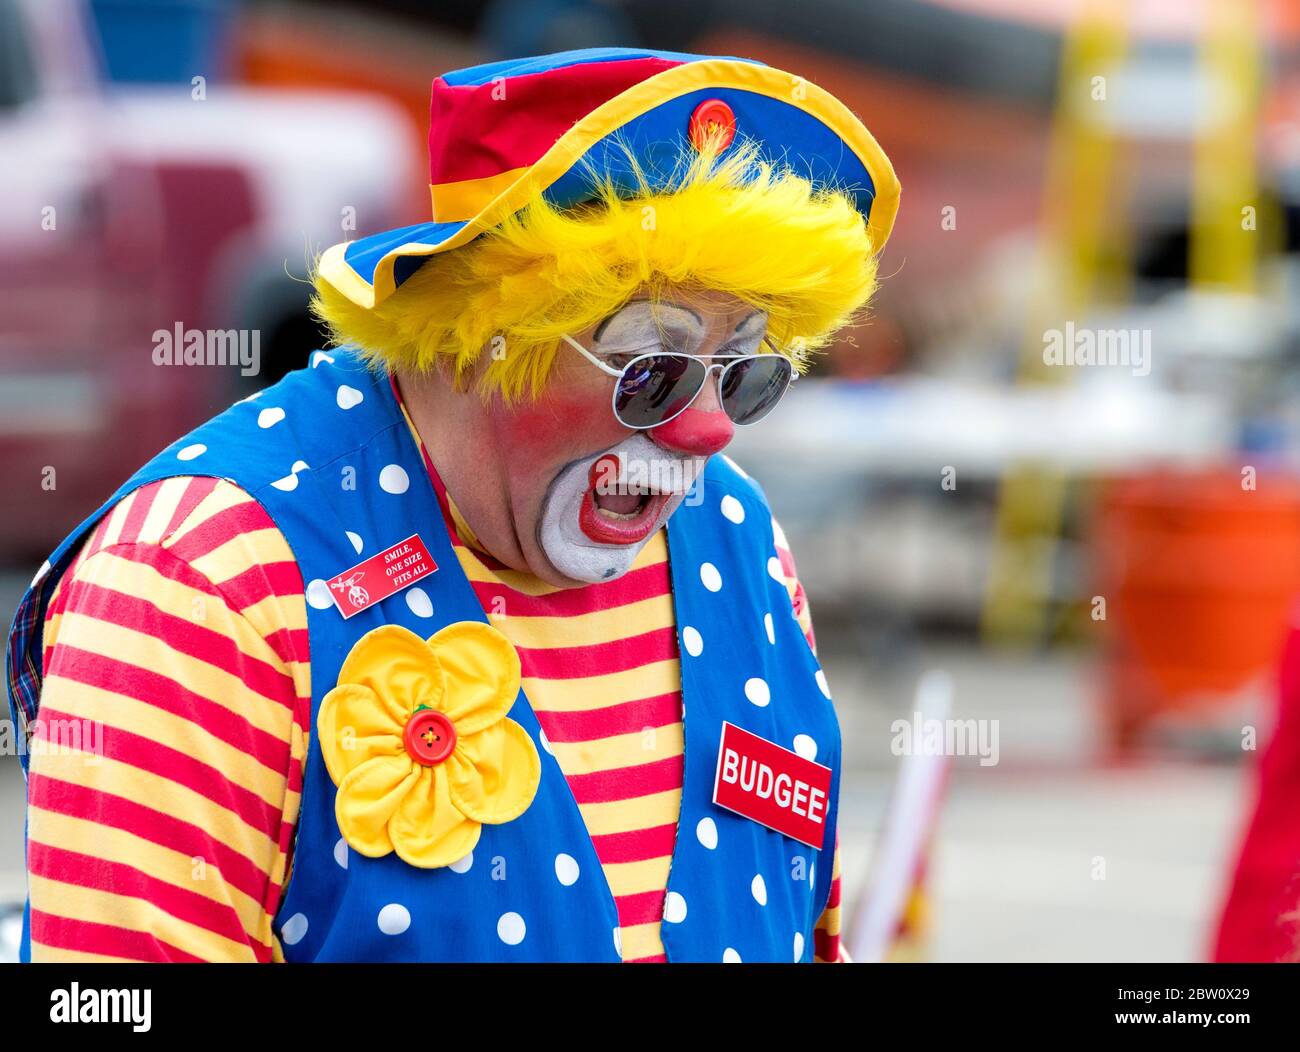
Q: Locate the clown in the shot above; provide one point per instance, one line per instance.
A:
(465, 642)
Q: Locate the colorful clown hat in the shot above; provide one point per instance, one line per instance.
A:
(503, 133)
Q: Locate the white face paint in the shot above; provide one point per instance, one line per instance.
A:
(645, 326)
(590, 542)
(577, 539)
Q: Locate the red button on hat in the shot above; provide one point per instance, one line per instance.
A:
(712, 117)
(429, 737)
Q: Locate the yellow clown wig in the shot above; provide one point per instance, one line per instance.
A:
(730, 223)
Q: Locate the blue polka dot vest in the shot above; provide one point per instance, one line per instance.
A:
(328, 454)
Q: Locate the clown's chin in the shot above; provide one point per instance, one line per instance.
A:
(591, 531)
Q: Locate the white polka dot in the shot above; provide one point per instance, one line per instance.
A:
(798, 947)
(511, 929)
(733, 510)
(419, 602)
(757, 691)
(770, 627)
(566, 869)
(393, 479)
(758, 888)
(674, 908)
(394, 919)
(355, 538)
(710, 578)
(290, 482)
(805, 746)
(320, 356)
(341, 853)
(730, 956)
(347, 397)
(618, 943)
(774, 570)
(190, 452)
(546, 743)
(270, 416)
(821, 682)
(294, 929)
(706, 832)
(318, 595)
(462, 865)
(693, 641)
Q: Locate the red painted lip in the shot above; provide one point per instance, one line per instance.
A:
(619, 531)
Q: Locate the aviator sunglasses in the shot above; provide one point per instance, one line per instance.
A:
(657, 386)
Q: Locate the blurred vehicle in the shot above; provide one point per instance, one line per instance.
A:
(165, 207)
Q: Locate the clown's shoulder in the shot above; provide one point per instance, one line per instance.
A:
(723, 477)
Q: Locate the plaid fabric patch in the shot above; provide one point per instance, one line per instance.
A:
(23, 653)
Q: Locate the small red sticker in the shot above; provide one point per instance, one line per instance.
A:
(381, 575)
(772, 786)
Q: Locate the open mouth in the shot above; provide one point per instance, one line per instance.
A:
(615, 514)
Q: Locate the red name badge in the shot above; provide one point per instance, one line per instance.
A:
(772, 786)
(381, 575)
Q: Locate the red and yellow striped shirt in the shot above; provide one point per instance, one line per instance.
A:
(181, 629)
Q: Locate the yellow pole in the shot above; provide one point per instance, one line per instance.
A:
(1225, 191)
(1081, 262)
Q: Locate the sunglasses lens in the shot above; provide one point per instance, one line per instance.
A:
(655, 387)
(752, 386)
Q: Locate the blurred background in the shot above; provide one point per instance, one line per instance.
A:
(1087, 562)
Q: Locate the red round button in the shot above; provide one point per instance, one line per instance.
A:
(429, 737)
(712, 117)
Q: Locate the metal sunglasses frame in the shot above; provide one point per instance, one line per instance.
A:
(709, 366)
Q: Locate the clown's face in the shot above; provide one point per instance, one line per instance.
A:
(584, 493)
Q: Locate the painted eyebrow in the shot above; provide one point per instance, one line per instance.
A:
(600, 329)
(745, 323)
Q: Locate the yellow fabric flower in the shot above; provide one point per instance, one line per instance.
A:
(417, 740)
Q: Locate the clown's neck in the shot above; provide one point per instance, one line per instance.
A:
(460, 530)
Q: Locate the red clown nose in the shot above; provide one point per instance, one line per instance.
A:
(695, 432)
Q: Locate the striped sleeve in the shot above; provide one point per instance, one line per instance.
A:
(798, 599)
(827, 947)
(167, 763)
